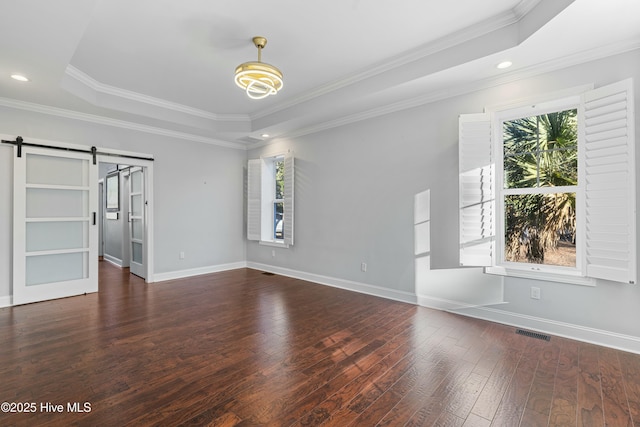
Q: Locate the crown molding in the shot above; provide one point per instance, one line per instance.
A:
(106, 121)
(98, 87)
(426, 98)
(495, 23)
(509, 17)
(127, 98)
(449, 41)
(577, 58)
(524, 7)
(439, 95)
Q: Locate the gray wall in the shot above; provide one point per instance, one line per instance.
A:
(354, 200)
(114, 233)
(354, 195)
(6, 218)
(198, 190)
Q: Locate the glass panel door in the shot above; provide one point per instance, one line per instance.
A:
(136, 222)
(54, 231)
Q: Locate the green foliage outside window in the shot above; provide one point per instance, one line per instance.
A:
(540, 151)
(278, 206)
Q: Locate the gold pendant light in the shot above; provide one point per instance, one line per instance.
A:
(259, 79)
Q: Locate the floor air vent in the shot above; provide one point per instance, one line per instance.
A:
(533, 334)
(266, 273)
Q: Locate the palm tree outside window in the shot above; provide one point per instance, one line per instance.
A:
(540, 183)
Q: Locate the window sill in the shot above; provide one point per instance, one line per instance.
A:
(273, 244)
(547, 276)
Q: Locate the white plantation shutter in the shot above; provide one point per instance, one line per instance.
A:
(254, 199)
(288, 199)
(609, 176)
(476, 192)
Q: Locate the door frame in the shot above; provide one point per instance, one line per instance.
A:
(133, 159)
(133, 265)
(100, 217)
(109, 156)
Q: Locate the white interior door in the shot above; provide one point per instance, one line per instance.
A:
(136, 222)
(55, 231)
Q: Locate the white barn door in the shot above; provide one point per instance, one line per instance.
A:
(137, 222)
(55, 231)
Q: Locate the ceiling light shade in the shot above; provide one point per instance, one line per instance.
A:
(259, 79)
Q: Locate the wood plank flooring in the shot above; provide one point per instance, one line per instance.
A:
(241, 348)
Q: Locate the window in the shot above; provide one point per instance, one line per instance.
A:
(278, 199)
(113, 192)
(549, 191)
(538, 188)
(270, 200)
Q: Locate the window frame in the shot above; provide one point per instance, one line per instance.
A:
(261, 200)
(273, 174)
(608, 173)
(499, 117)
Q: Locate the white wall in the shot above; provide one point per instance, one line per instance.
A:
(354, 203)
(198, 191)
(6, 218)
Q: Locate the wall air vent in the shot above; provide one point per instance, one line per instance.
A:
(533, 334)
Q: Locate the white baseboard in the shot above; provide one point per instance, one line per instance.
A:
(349, 285)
(447, 305)
(113, 260)
(180, 274)
(567, 330)
(6, 301)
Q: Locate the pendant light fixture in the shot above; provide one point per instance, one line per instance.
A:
(259, 79)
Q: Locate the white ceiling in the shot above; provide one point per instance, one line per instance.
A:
(164, 64)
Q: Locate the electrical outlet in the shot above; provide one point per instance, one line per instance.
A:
(273, 252)
(535, 292)
(363, 266)
(181, 254)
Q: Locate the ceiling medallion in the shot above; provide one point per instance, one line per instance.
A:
(259, 79)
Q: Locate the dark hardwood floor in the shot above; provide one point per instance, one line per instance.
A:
(244, 348)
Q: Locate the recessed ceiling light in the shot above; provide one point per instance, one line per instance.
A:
(265, 135)
(504, 64)
(19, 77)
